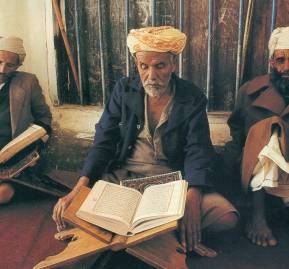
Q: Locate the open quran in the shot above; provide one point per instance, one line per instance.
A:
(21, 153)
(127, 211)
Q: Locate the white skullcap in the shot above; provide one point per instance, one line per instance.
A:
(279, 40)
(13, 44)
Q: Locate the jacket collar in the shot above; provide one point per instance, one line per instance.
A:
(16, 99)
(270, 98)
(183, 103)
(134, 99)
(258, 84)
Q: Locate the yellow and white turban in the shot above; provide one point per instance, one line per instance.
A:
(158, 39)
(13, 44)
(279, 40)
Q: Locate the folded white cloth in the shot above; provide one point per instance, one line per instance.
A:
(267, 172)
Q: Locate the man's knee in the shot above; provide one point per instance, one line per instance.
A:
(226, 222)
(6, 193)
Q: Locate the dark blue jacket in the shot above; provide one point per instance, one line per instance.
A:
(186, 140)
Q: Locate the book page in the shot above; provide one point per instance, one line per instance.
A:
(112, 201)
(117, 201)
(160, 200)
(33, 133)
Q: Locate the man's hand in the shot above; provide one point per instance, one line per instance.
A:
(190, 225)
(64, 202)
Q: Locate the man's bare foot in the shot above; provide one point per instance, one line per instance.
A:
(259, 233)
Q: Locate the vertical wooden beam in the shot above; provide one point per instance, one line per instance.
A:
(78, 16)
(273, 22)
(209, 57)
(239, 48)
(101, 51)
(153, 12)
(247, 30)
(181, 16)
(126, 33)
(273, 14)
(65, 40)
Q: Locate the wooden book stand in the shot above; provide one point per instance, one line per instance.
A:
(88, 239)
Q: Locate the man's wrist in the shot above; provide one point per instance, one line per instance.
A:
(195, 189)
(83, 181)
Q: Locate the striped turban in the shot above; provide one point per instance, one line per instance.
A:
(158, 39)
(13, 44)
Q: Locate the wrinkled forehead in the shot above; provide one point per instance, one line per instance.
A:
(152, 56)
(280, 53)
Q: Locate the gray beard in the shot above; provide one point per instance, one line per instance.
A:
(155, 91)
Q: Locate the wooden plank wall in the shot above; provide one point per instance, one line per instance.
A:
(224, 48)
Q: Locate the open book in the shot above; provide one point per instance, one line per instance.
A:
(126, 211)
(33, 133)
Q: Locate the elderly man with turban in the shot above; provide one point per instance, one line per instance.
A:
(259, 128)
(21, 101)
(156, 123)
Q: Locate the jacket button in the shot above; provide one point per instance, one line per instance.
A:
(129, 147)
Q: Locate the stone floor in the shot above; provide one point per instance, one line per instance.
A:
(235, 252)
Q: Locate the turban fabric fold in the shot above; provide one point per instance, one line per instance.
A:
(13, 44)
(279, 40)
(158, 39)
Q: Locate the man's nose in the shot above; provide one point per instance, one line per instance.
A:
(152, 74)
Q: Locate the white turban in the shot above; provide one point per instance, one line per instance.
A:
(13, 44)
(279, 40)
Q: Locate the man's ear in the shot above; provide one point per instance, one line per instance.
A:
(272, 63)
(174, 61)
(135, 59)
(174, 67)
(17, 67)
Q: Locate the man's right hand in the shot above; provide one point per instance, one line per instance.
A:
(190, 225)
(64, 202)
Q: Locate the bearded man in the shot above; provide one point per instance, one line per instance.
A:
(156, 123)
(259, 128)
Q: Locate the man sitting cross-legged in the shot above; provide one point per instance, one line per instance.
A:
(259, 127)
(156, 123)
(21, 101)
